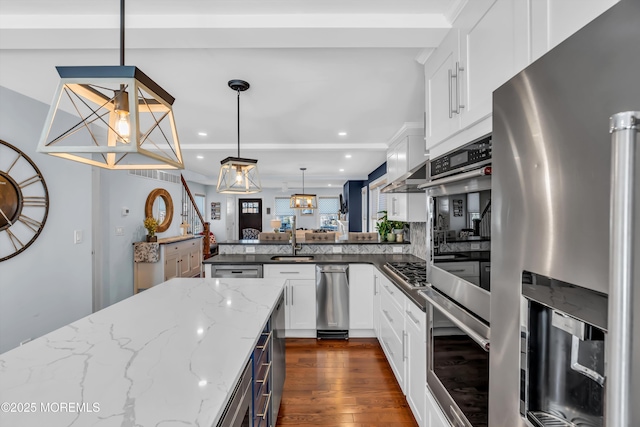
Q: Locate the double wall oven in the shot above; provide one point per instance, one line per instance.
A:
(458, 272)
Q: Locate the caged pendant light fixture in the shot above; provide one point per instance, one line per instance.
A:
(239, 175)
(302, 200)
(121, 118)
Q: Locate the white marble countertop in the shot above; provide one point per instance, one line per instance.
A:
(169, 356)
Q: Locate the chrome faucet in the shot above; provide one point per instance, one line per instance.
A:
(294, 246)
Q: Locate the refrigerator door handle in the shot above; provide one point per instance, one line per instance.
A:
(624, 127)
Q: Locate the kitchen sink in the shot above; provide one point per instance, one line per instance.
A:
(293, 258)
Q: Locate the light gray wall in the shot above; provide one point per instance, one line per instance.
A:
(49, 284)
(120, 189)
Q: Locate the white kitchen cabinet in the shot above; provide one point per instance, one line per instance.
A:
(391, 322)
(302, 305)
(490, 55)
(490, 42)
(407, 207)
(416, 352)
(555, 21)
(300, 297)
(361, 294)
(377, 278)
(441, 85)
(182, 258)
(405, 154)
(434, 415)
(402, 336)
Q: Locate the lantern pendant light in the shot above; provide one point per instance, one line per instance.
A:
(121, 119)
(239, 175)
(303, 200)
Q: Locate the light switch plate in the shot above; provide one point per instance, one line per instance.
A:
(77, 237)
(119, 231)
(397, 249)
(250, 250)
(337, 250)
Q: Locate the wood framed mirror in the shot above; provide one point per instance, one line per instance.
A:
(159, 205)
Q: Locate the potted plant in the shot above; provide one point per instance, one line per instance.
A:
(384, 227)
(151, 225)
(398, 230)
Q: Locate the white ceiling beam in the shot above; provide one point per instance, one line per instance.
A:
(287, 147)
(228, 31)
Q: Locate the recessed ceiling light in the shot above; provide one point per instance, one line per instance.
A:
(202, 133)
(328, 185)
(342, 133)
(348, 156)
(200, 156)
(341, 170)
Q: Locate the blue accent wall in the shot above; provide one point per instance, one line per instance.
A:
(352, 194)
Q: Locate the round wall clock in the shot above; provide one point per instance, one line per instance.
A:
(24, 201)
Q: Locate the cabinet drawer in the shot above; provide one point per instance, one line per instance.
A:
(291, 271)
(470, 268)
(263, 345)
(262, 409)
(392, 314)
(172, 248)
(415, 316)
(393, 349)
(392, 291)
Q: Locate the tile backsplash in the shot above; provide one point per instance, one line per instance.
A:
(418, 239)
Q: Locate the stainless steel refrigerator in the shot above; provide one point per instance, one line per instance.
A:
(552, 172)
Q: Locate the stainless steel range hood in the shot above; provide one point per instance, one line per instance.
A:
(408, 183)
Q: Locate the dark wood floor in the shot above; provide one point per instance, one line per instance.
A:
(341, 383)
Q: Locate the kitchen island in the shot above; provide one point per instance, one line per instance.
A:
(169, 356)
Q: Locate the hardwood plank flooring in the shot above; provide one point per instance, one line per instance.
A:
(341, 383)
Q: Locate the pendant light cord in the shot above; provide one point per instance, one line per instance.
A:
(121, 32)
(238, 121)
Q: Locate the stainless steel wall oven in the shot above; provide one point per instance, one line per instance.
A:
(457, 361)
(459, 228)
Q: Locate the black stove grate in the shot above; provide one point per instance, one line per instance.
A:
(413, 273)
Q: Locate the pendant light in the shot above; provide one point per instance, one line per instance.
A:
(239, 175)
(121, 119)
(302, 200)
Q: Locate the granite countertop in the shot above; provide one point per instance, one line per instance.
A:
(170, 355)
(482, 256)
(378, 260)
(315, 242)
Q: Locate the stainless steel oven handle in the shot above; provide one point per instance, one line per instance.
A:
(482, 341)
(457, 420)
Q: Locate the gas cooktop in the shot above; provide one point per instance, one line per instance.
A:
(413, 274)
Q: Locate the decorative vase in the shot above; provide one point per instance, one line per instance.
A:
(153, 238)
(391, 237)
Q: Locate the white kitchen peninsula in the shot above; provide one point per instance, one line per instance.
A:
(170, 355)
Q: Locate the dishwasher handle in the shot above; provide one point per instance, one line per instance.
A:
(333, 268)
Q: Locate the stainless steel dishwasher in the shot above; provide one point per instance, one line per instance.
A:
(332, 300)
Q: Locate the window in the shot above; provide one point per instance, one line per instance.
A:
(328, 208)
(377, 202)
(284, 213)
(250, 207)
